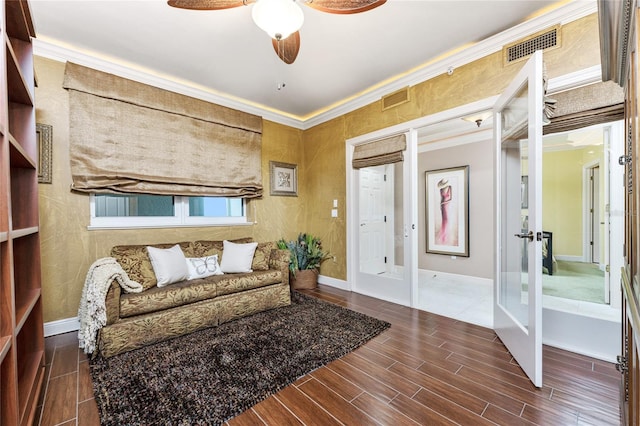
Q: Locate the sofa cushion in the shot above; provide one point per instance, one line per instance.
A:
(183, 293)
(134, 259)
(237, 258)
(169, 265)
(262, 256)
(234, 283)
(203, 248)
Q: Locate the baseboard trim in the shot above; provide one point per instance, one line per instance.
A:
(334, 282)
(579, 350)
(61, 326)
(599, 338)
(456, 277)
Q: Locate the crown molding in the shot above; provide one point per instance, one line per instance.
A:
(52, 50)
(579, 78)
(567, 13)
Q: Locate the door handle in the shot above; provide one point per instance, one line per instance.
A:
(624, 159)
(523, 235)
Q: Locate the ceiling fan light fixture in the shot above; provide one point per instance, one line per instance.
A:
(278, 18)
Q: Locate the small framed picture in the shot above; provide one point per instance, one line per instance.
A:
(284, 178)
(447, 196)
(43, 140)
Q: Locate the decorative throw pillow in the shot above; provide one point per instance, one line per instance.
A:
(262, 256)
(134, 259)
(203, 248)
(237, 258)
(169, 265)
(200, 267)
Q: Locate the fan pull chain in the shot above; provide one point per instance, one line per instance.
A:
(280, 53)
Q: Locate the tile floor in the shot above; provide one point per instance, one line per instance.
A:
(455, 297)
(471, 300)
(468, 300)
(426, 369)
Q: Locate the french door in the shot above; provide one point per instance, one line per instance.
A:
(382, 228)
(383, 256)
(518, 283)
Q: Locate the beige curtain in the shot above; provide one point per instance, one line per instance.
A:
(128, 137)
(383, 151)
(586, 106)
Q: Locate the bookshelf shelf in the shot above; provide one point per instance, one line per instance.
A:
(21, 327)
(5, 345)
(18, 156)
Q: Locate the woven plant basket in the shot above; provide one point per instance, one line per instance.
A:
(305, 279)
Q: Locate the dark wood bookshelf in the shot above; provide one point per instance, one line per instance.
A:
(21, 323)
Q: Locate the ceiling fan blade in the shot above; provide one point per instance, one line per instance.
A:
(208, 4)
(344, 7)
(287, 49)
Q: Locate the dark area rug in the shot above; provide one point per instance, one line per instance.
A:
(209, 376)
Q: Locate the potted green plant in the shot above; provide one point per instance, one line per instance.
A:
(306, 256)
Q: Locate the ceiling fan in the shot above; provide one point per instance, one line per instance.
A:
(282, 19)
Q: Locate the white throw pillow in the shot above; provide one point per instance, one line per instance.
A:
(169, 265)
(237, 258)
(200, 267)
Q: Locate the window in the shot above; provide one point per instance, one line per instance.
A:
(149, 211)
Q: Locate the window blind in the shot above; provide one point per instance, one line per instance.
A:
(383, 151)
(586, 106)
(129, 137)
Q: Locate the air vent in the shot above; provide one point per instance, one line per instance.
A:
(522, 49)
(396, 98)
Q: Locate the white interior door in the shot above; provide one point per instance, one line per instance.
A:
(373, 214)
(518, 282)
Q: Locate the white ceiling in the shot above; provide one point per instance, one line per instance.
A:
(224, 53)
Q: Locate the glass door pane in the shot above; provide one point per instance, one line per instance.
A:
(515, 219)
(518, 304)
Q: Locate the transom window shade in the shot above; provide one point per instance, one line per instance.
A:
(129, 137)
(586, 106)
(383, 151)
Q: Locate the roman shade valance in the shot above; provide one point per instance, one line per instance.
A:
(586, 106)
(383, 151)
(129, 137)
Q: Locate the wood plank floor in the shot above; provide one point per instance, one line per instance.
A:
(426, 370)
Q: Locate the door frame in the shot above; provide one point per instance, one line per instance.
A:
(587, 217)
(389, 189)
(411, 190)
(615, 214)
(406, 296)
(557, 84)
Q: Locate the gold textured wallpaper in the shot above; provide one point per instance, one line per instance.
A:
(68, 248)
(324, 145)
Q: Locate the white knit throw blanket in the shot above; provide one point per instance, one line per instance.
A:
(92, 312)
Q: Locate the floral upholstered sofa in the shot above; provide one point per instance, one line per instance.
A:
(163, 311)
